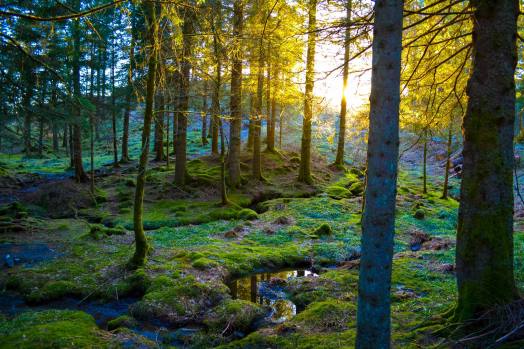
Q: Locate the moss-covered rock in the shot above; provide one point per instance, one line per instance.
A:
(323, 230)
(234, 315)
(179, 300)
(53, 329)
(357, 188)
(246, 214)
(419, 213)
(328, 315)
(338, 192)
(122, 321)
(53, 290)
(204, 263)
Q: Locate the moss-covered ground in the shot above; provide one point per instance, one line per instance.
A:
(199, 245)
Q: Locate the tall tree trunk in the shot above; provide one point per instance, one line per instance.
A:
(425, 165)
(26, 106)
(217, 52)
(236, 98)
(448, 159)
(71, 148)
(378, 220)
(339, 160)
(268, 93)
(80, 174)
(159, 126)
(204, 114)
(127, 112)
(54, 123)
(113, 105)
(141, 245)
(304, 174)
(257, 159)
(280, 127)
(484, 252)
(167, 132)
(183, 108)
(250, 133)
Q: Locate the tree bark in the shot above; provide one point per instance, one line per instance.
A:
(339, 160)
(448, 159)
(378, 220)
(257, 160)
(204, 114)
(484, 252)
(236, 98)
(159, 127)
(304, 174)
(217, 51)
(183, 107)
(80, 174)
(141, 244)
(113, 105)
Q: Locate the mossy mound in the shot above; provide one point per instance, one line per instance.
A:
(99, 231)
(203, 263)
(122, 321)
(234, 315)
(247, 214)
(323, 230)
(178, 301)
(53, 290)
(53, 329)
(328, 315)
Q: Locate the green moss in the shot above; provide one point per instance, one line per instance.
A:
(419, 213)
(53, 290)
(247, 214)
(235, 315)
(328, 315)
(121, 321)
(179, 300)
(357, 188)
(323, 230)
(99, 231)
(338, 192)
(204, 263)
(52, 329)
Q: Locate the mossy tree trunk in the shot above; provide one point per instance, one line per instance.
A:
(159, 126)
(339, 160)
(217, 52)
(141, 245)
(257, 163)
(80, 174)
(484, 252)
(304, 174)
(204, 115)
(127, 111)
(113, 100)
(183, 107)
(448, 159)
(236, 97)
(26, 104)
(378, 220)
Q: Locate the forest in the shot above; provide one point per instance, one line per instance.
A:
(261, 174)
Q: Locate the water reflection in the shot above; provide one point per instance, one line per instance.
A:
(268, 289)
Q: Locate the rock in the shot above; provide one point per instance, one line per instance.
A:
(283, 220)
(231, 234)
(419, 214)
(417, 239)
(269, 231)
(446, 268)
(437, 244)
(323, 230)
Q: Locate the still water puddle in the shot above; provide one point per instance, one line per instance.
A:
(267, 289)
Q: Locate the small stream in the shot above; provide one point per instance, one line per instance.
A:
(267, 289)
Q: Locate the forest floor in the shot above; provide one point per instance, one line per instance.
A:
(278, 268)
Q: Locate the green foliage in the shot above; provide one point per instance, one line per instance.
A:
(246, 214)
(52, 329)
